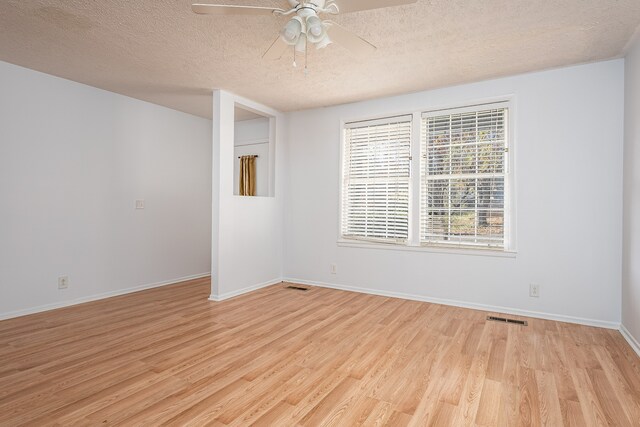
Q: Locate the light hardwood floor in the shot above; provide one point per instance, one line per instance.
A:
(322, 357)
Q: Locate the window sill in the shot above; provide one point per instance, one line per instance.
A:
(345, 243)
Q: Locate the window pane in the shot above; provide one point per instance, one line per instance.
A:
(376, 180)
(463, 178)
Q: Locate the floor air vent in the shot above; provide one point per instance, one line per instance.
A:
(297, 288)
(505, 320)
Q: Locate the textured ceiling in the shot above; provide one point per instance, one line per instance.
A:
(159, 51)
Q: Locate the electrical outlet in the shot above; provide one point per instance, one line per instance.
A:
(139, 204)
(333, 269)
(63, 282)
(534, 290)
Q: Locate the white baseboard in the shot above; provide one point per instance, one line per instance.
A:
(464, 304)
(95, 297)
(242, 291)
(635, 345)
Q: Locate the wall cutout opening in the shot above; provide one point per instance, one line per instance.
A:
(254, 153)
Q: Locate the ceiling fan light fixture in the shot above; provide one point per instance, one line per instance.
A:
(301, 45)
(316, 30)
(292, 32)
(326, 41)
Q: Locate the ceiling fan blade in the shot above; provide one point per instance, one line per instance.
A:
(277, 49)
(347, 6)
(346, 38)
(225, 9)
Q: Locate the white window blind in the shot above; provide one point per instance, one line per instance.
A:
(376, 173)
(464, 165)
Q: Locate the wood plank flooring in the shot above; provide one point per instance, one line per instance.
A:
(322, 357)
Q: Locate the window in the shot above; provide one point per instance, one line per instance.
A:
(459, 196)
(464, 165)
(376, 174)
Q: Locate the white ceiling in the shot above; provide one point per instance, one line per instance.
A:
(159, 51)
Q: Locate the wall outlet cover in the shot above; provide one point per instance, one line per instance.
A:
(534, 290)
(63, 282)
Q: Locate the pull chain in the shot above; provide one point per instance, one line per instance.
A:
(306, 53)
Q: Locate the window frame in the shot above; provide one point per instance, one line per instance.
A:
(413, 243)
(508, 190)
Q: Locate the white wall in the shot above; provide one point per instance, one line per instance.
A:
(247, 131)
(252, 138)
(247, 231)
(568, 149)
(631, 248)
(73, 160)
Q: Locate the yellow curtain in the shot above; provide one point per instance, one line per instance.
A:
(248, 175)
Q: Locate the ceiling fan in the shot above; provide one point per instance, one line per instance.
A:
(306, 27)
